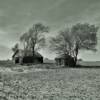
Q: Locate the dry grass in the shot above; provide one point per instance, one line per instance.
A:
(52, 84)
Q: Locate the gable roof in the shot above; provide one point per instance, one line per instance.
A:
(23, 53)
(62, 56)
(14, 53)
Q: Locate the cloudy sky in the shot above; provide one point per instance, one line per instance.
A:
(16, 16)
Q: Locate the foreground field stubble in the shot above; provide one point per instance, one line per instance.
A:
(53, 84)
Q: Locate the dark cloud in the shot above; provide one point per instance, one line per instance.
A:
(16, 16)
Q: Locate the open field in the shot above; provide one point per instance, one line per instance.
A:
(51, 84)
(90, 64)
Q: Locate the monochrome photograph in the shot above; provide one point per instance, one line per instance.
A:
(49, 50)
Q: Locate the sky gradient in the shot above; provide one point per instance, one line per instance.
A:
(17, 16)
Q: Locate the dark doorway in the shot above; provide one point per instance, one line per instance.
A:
(17, 60)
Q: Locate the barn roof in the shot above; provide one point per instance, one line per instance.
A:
(22, 53)
(62, 56)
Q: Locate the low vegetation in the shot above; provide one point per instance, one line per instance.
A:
(51, 84)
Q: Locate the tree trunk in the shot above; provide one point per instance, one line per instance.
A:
(75, 61)
(33, 51)
(76, 52)
(76, 56)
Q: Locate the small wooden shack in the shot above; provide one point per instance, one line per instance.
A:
(24, 57)
(65, 60)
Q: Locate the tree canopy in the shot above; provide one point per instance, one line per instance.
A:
(34, 38)
(85, 35)
(71, 40)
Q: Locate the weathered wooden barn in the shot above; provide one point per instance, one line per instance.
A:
(65, 60)
(24, 57)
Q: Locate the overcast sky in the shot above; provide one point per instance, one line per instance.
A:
(16, 16)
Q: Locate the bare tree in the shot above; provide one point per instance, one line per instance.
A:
(25, 40)
(70, 41)
(85, 37)
(62, 43)
(34, 38)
